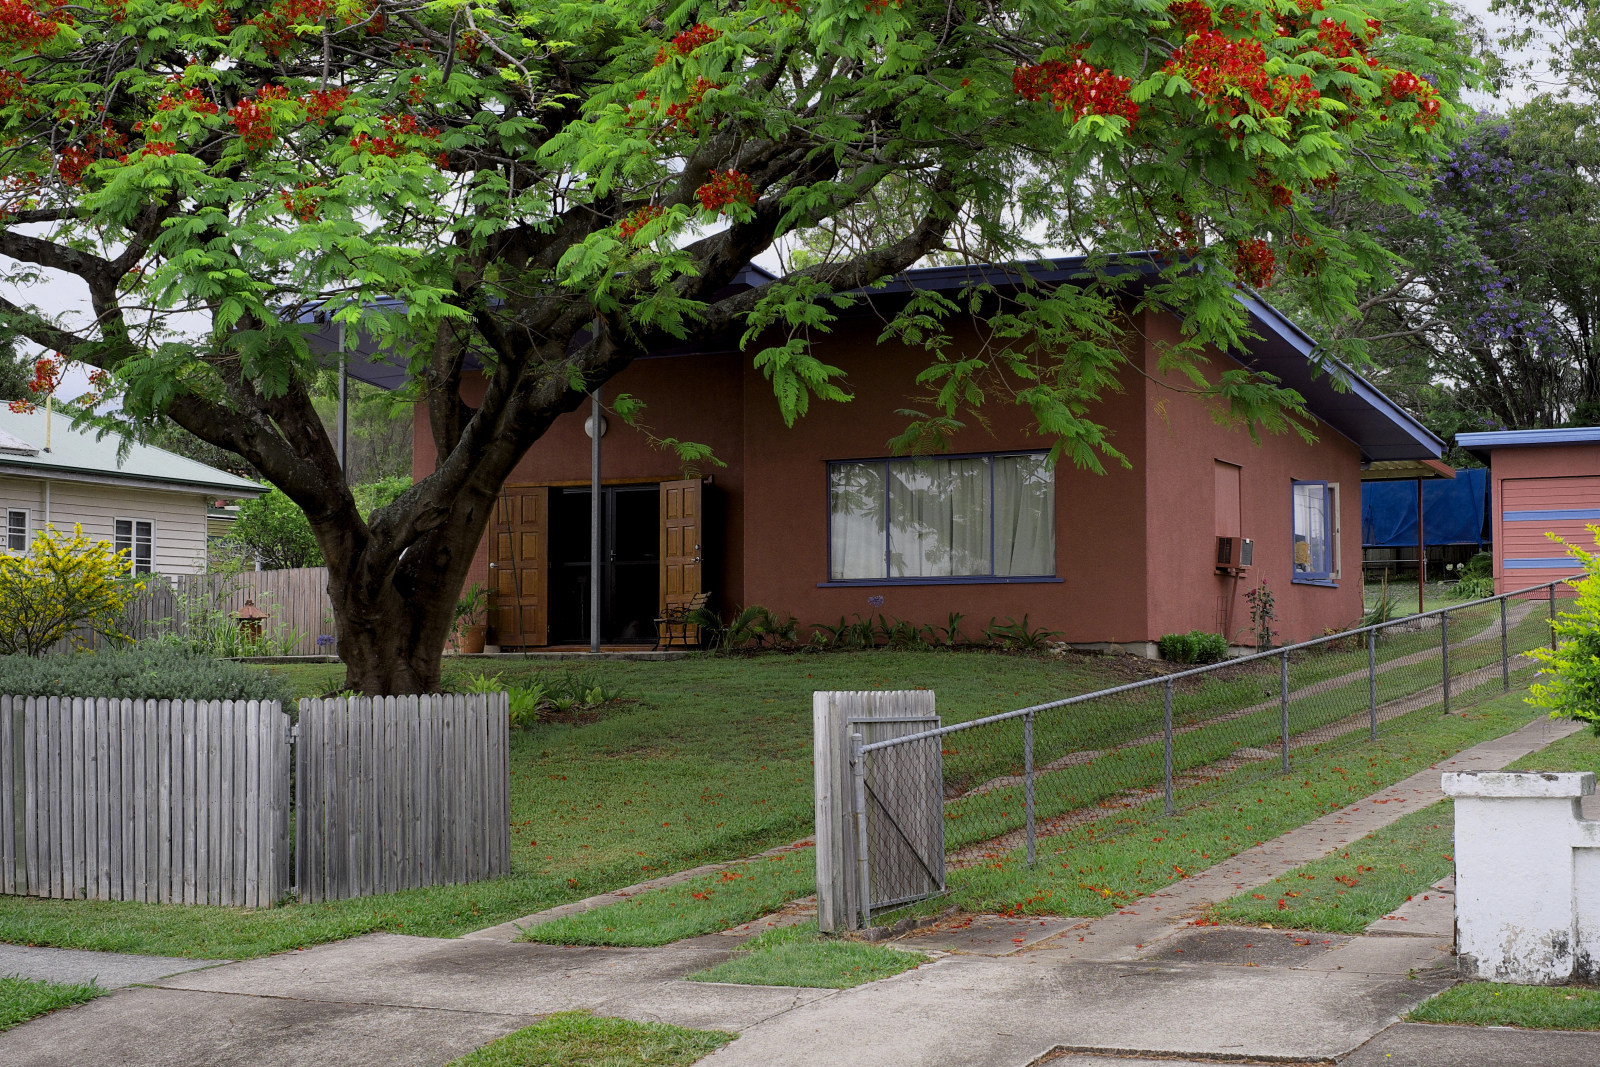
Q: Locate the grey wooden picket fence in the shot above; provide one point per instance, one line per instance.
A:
(400, 792)
(190, 801)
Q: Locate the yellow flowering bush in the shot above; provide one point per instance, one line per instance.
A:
(61, 586)
(1573, 669)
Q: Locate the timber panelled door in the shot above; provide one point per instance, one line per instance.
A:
(682, 533)
(520, 564)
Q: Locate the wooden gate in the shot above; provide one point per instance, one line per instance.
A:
(519, 562)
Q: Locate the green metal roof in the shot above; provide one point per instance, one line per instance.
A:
(83, 455)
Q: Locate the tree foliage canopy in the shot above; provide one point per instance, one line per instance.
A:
(554, 188)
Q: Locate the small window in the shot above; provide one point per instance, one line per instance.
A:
(17, 531)
(1313, 537)
(945, 518)
(136, 537)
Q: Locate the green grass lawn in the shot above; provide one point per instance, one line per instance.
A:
(1091, 869)
(22, 999)
(799, 956)
(1529, 1007)
(579, 1039)
(709, 759)
(1346, 890)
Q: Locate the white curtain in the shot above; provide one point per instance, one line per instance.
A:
(1311, 528)
(1024, 516)
(938, 518)
(855, 509)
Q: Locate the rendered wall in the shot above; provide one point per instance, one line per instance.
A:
(1185, 591)
(773, 496)
(1527, 877)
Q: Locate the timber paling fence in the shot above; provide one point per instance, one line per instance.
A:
(296, 599)
(1120, 757)
(226, 802)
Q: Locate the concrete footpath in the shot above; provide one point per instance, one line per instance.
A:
(1105, 993)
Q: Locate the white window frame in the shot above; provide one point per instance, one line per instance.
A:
(133, 543)
(1334, 564)
(26, 523)
(1330, 504)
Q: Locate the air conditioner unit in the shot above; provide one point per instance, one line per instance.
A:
(1235, 553)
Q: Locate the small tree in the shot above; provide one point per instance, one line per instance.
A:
(61, 586)
(273, 529)
(1573, 666)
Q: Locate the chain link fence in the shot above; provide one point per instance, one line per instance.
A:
(1120, 757)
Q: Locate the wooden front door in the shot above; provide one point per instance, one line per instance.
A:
(519, 566)
(682, 534)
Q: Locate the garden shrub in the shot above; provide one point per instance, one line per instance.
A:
(1574, 667)
(62, 586)
(143, 673)
(1196, 646)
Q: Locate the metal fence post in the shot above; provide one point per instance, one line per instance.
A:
(858, 768)
(1444, 655)
(1027, 777)
(1554, 644)
(1505, 650)
(1372, 681)
(1283, 670)
(1168, 736)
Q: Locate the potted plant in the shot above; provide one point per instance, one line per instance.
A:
(470, 625)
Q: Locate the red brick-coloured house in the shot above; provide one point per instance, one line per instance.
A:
(821, 521)
(1541, 482)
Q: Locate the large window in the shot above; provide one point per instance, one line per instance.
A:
(1315, 532)
(137, 538)
(963, 517)
(17, 531)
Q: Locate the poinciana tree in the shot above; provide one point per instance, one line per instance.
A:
(553, 188)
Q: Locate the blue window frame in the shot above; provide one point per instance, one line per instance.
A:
(1314, 523)
(966, 518)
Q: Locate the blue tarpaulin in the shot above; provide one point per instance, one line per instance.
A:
(1453, 510)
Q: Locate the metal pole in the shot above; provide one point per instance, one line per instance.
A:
(344, 404)
(858, 767)
(1372, 681)
(1283, 670)
(1505, 650)
(1167, 732)
(1422, 551)
(1027, 778)
(1444, 650)
(1553, 642)
(594, 522)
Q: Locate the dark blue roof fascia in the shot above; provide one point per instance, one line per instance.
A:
(1334, 393)
(1482, 443)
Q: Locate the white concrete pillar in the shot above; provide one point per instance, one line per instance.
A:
(1514, 837)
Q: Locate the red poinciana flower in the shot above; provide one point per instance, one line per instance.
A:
(1254, 262)
(636, 221)
(24, 26)
(1075, 85)
(726, 187)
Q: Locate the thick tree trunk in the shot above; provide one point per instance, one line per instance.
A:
(394, 606)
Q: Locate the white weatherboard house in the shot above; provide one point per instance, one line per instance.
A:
(150, 501)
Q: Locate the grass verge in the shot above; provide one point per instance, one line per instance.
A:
(799, 956)
(1528, 1007)
(1345, 891)
(579, 1039)
(22, 999)
(702, 905)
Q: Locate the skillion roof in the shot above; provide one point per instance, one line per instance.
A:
(1334, 393)
(81, 455)
(1481, 444)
